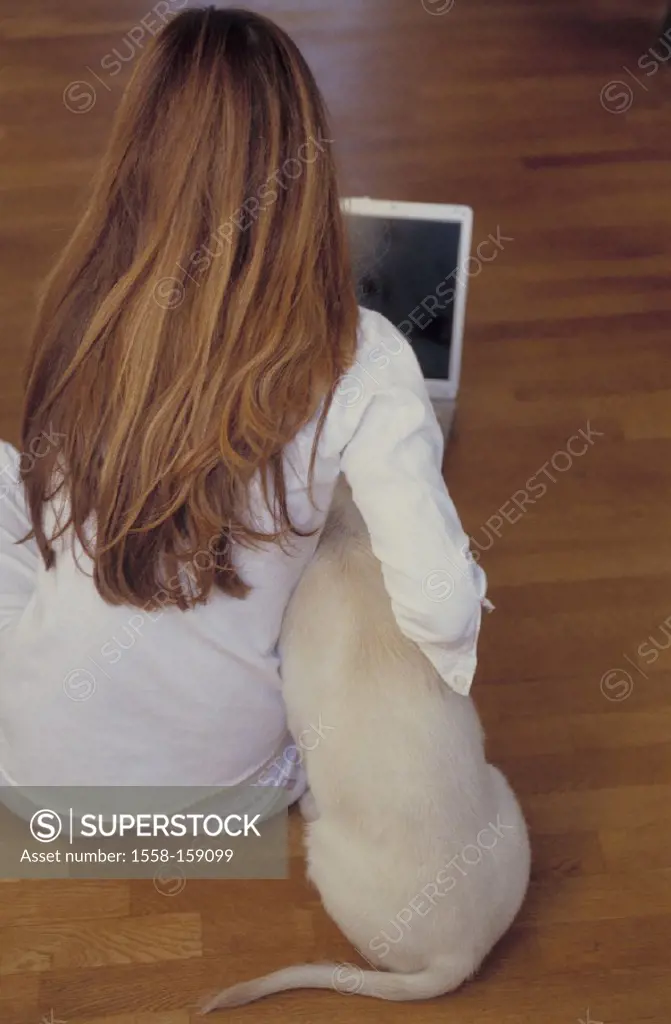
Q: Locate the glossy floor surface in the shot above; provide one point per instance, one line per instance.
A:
(551, 119)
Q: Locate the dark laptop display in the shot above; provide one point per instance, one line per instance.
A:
(407, 270)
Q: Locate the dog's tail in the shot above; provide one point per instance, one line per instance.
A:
(443, 975)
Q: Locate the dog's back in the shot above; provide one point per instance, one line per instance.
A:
(346, 662)
(397, 770)
(346, 577)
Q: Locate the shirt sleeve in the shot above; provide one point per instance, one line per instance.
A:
(393, 464)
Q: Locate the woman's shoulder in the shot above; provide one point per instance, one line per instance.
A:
(375, 331)
(384, 359)
(384, 386)
(385, 370)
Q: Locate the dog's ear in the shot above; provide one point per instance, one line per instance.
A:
(342, 495)
(335, 521)
(344, 517)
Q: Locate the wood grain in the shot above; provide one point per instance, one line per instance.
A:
(503, 106)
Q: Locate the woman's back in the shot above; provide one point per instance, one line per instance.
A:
(194, 697)
(190, 698)
(199, 376)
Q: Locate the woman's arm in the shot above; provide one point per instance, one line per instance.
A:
(393, 464)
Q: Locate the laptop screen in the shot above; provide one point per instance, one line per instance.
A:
(407, 270)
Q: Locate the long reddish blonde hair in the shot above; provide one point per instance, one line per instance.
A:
(202, 313)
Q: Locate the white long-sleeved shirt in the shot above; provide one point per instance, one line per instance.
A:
(97, 695)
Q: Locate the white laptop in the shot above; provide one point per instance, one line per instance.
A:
(410, 263)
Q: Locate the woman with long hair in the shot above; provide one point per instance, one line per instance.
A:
(199, 376)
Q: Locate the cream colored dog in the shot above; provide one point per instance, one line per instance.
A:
(417, 846)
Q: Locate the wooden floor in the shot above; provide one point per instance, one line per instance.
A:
(516, 107)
